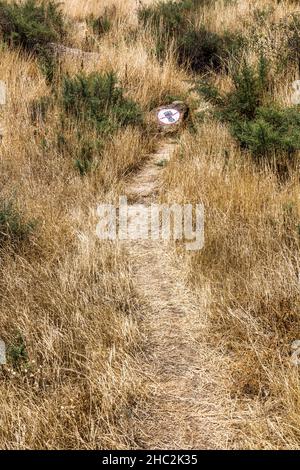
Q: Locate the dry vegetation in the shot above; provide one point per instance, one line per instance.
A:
(69, 310)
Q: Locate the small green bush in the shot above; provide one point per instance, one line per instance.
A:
(32, 25)
(97, 100)
(258, 124)
(200, 49)
(196, 46)
(273, 131)
(13, 228)
(251, 84)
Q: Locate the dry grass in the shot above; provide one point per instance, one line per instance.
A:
(69, 296)
(250, 262)
(72, 298)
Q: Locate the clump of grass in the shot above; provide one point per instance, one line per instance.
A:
(292, 30)
(87, 156)
(168, 16)
(17, 352)
(39, 108)
(102, 24)
(14, 229)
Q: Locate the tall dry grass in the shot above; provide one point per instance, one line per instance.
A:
(250, 261)
(65, 294)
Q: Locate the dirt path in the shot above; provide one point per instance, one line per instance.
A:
(184, 377)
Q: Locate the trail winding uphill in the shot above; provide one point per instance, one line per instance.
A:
(182, 374)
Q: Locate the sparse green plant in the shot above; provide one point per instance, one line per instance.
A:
(17, 352)
(86, 159)
(13, 228)
(162, 163)
(101, 24)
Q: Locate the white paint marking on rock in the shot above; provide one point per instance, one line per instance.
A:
(2, 352)
(2, 93)
(168, 116)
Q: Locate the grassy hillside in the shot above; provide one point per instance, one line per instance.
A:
(76, 130)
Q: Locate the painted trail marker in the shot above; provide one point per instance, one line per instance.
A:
(2, 93)
(168, 116)
(2, 352)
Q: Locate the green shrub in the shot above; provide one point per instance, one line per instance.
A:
(13, 228)
(196, 46)
(204, 50)
(273, 131)
(259, 126)
(250, 86)
(97, 100)
(32, 25)
(201, 49)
